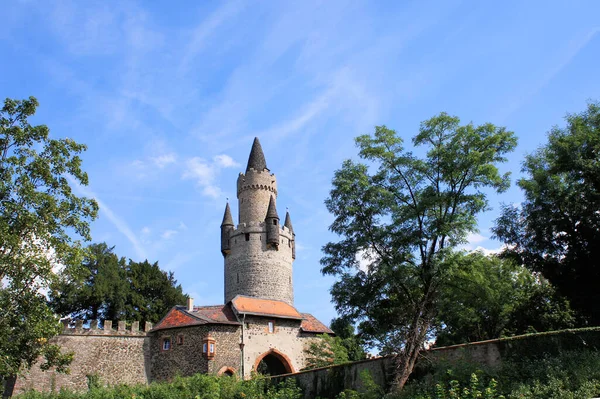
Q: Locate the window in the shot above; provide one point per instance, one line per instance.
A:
(166, 344)
(275, 222)
(238, 277)
(180, 339)
(247, 236)
(209, 347)
(271, 327)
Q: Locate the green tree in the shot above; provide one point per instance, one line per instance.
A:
(353, 343)
(97, 290)
(556, 230)
(325, 351)
(152, 292)
(110, 288)
(402, 220)
(487, 297)
(39, 218)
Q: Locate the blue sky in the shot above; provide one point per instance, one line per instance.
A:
(169, 95)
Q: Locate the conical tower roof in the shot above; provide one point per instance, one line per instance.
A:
(227, 219)
(288, 222)
(272, 211)
(256, 160)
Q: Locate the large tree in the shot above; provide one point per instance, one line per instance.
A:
(556, 229)
(40, 217)
(488, 297)
(110, 288)
(398, 218)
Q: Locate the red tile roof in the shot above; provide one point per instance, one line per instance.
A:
(178, 318)
(312, 325)
(264, 307)
(216, 314)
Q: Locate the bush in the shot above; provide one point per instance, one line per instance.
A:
(199, 386)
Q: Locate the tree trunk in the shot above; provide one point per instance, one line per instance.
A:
(404, 362)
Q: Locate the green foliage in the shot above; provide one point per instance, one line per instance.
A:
(40, 217)
(556, 231)
(353, 343)
(110, 288)
(401, 221)
(496, 298)
(199, 386)
(474, 390)
(326, 351)
(566, 374)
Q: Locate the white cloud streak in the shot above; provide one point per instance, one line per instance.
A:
(116, 220)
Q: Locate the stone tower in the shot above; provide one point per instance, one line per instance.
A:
(259, 252)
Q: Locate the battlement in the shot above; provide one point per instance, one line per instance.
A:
(257, 180)
(258, 227)
(70, 328)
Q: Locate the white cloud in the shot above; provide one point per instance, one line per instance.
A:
(168, 234)
(225, 161)
(116, 220)
(204, 173)
(145, 230)
(182, 226)
(163, 160)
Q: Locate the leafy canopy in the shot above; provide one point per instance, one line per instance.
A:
(397, 224)
(39, 218)
(110, 288)
(487, 297)
(556, 230)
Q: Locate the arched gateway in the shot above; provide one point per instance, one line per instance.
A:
(273, 362)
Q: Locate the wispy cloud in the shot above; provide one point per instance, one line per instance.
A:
(163, 160)
(168, 234)
(204, 173)
(119, 223)
(571, 51)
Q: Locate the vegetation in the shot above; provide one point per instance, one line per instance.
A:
(110, 288)
(497, 298)
(199, 386)
(39, 218)
(556, 229)
(402, 221)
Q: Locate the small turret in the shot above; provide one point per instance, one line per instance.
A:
(272, 223)
(226, 228)
(288, 224)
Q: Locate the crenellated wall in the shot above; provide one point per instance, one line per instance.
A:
(116, 355)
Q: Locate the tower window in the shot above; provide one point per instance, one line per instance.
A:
(180, 339)
(271, 327)
(247, 235)
(238, 277)
(166, 344)
(275, 222)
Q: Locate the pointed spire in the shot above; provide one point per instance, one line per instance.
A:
(227, 219)
(272, 211)
(288, 222)
(256, 160)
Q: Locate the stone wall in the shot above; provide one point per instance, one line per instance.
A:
(287, 340)
(116, 356)
(254, 270)
(327, 382)
(187, 359)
